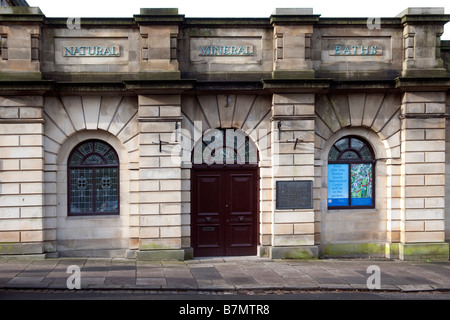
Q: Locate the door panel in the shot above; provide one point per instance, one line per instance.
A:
(224, 212)
(241, 193)
(208, 198)
(240, 238)
(208, 236)
(241, 227)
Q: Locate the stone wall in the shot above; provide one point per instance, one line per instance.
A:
(20, 49)
(293, 159)
(58, 64)
(256, 41)
(447, 173)
(160, 178)
(423, 173)
(354, 34)
(21, 174)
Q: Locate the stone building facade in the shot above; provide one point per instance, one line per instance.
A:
(165, 137)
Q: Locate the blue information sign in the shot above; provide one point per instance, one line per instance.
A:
(338, 185)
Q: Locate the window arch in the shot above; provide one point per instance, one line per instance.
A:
(225, 147)
(93, 179)
(351, 174)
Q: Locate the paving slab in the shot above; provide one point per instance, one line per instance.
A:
(224, 274)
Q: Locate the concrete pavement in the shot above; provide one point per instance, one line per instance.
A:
(224, 274)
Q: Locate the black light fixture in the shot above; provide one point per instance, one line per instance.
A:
(279, 130)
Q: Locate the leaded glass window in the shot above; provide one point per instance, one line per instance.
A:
(93, 179)
(225, 146)
(351, 174)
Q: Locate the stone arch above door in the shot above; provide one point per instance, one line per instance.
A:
(249, 113)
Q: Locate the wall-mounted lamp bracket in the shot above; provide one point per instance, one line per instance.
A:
(279, 130)
(296, 142)
(160, 143)
(177, 126)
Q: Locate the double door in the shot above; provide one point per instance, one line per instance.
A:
(224, 212)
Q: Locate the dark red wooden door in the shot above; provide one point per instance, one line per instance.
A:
(224, 212)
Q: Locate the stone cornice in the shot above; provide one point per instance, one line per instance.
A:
(30, 87)
(426, 19)
(423, 84)
(351, 21)
(21, 14)
(159, 16)
(295, 19)
(296, 85)
(158, 86)
(93, 22)
(179, 86)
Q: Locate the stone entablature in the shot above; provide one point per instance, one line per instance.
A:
(160, 43)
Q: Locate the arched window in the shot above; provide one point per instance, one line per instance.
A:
(225, 146)
(93, 179)
(351, 174)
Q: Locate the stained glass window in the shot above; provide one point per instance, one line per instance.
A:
(225, 146)
(93, 177)
(351, 174)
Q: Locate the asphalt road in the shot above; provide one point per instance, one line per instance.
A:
(215, 296)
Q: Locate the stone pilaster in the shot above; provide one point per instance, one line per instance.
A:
(293, 160)
(422, 32)
(159, 34)
(423, 176)
(160, 178)
(21, 175)
(20, 42)
(293, 29)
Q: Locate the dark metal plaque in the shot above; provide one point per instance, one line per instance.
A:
(294, 194)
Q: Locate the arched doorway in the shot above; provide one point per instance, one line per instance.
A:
(224, 197)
